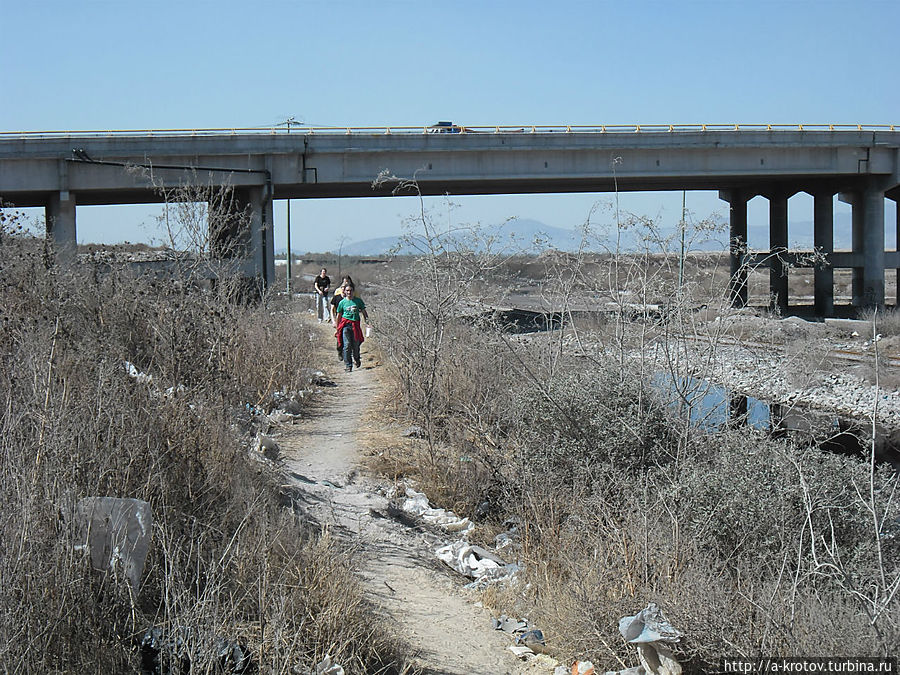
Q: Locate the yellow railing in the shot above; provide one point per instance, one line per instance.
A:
(460, 129)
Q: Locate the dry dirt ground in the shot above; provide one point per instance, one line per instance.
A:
(422, 601)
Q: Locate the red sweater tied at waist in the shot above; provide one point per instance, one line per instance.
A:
(357, 332)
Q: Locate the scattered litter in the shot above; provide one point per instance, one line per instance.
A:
(648, 625)
(583, 668)
(520, 651)
(174, 391)
(647, 629)
(533, 639)
(470, 560)
(417, 503)
(133, 372)
(509, 625)
(268, 447)
(115, 532)
(328, 483)
(506, 539)
(327, 666)
(280, 417)
(414, 432)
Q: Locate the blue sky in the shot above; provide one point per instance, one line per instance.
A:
(157, 64)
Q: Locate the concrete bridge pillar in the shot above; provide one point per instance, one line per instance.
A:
(868, 244)
(873, 246)
(854, 199)
(823, 240)
(897, 202)
(242, 229)
(737, 200)
(778, 243)
(59, 214)
(229, 224)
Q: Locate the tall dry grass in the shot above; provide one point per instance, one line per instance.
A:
(751, 545)
(227, 559)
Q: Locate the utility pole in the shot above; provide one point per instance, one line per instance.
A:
(681, 257)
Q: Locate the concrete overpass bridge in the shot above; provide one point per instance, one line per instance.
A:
(59, 170)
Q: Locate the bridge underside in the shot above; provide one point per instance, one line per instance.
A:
(863, 168)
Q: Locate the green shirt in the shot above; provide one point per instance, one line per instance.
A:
(350, 308)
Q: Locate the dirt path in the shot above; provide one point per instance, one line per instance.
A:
(449, 633)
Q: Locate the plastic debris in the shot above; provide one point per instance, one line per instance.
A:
(417, 503)
(134, 373)
(583, 668)
(533, 639)
(116, 533)
(520, 651)
(475, 562)
(268, 447)
(648, 625)
(509, 625)
(328, 666)
(647, 629)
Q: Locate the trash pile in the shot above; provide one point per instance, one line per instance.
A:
(474, 562)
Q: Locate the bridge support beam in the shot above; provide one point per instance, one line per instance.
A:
(59, 214)
(737, 216)
(823, 240)
(778, 243)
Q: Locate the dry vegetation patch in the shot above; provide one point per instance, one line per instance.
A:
(120, 385)
(751, 545)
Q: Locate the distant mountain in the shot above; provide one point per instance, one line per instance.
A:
(526, 235)
(518, 235)
(523, 235)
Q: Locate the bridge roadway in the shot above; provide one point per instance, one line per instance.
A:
(58, 170)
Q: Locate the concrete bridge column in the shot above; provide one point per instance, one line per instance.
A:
(737, 290)
(897, 202)
(269, 240)
(229, 231)
(738, 244)
(823, 240)
(59, 214)
(857, 228)
(778, 241)
(873, 246)
(261, 252)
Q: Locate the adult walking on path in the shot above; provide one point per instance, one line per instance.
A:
(349, 332)
(321, 286)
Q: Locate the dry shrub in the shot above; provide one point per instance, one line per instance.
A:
(750, 546)
(226, 560)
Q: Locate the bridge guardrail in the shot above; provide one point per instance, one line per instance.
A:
(476, 129)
